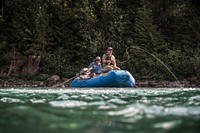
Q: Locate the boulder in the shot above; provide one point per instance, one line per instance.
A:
(52, 80)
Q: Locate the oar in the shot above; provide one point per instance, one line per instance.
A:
(57, 85)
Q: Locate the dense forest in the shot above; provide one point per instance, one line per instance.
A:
(67, 35)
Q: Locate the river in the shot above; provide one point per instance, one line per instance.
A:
(99, 110)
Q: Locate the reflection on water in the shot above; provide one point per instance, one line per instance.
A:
(102, 110)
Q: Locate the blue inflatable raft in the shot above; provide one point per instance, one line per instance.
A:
(116, 78)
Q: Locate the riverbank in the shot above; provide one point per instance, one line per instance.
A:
(55, 81)
(168, 84)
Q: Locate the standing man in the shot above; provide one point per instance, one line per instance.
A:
(109, 61)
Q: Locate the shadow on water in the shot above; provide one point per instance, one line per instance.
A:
(100, 110)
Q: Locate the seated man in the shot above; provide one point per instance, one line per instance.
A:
(93, 70)
(95, 67)
(109, 61)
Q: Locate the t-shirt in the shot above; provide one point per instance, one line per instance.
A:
(96, 68)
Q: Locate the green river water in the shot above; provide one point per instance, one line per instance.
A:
(102, 110)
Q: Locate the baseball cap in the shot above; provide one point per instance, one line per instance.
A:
(110, 48)
(97, 58)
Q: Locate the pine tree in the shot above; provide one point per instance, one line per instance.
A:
(147, 34)
(148, 37)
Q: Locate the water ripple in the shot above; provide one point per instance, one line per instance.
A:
(11, 100)
(128, 112)
(168, 124)
(117, 101)
(38, 100)
(69, 103)
(100, 110)
(183, 111)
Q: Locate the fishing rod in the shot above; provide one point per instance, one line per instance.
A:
(136, 47)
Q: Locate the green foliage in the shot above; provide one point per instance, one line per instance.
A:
(68, 34)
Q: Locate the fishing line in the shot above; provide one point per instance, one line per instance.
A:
(136, 47)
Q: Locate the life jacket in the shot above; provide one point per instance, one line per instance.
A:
(111, 58)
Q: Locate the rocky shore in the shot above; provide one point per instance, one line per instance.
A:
(167, 84)
(55, 81)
